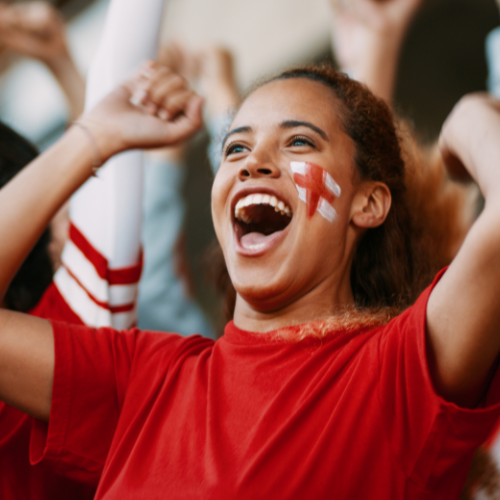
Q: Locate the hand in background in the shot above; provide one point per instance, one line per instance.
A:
(36, 30)
(33, 29)
(367, 37)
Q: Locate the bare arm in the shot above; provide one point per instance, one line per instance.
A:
(463, 314)
(30, 200)
(367, 36)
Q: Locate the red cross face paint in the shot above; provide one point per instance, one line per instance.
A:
(316, 188)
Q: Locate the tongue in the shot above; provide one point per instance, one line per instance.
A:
(252, 240)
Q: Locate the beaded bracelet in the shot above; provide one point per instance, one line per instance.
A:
(97, 161)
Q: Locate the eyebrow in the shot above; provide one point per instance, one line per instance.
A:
(235, 131)
(296, 123)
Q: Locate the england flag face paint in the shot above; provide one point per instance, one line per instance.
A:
(316, 188)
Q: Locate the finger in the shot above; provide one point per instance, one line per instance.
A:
(164, 84)
(189, 122)
(174, 104)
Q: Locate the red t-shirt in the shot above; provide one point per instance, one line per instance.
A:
(18, 479)
(353, 415)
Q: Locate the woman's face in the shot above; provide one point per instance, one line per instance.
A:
(275, 259)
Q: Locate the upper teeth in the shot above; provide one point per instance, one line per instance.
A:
(259, 199)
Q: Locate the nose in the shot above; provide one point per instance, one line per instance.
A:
(258, 165)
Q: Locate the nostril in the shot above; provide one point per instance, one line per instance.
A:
(264, 171)
(244, 173)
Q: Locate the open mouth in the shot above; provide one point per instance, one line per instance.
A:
(259, 220)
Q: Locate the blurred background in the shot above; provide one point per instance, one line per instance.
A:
(442, 59)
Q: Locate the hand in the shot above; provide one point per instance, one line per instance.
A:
(467, 136)
(34, 29)
(180, 60)
(151, 110)
(356, 24)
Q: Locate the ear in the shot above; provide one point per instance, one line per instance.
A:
(370, 205)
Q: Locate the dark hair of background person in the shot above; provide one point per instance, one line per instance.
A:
(391, 265)
(35, 275)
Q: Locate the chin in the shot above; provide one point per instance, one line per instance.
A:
(263, 290)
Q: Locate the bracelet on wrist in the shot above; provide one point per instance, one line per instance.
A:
(97, 161)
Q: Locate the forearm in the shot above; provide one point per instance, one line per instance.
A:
(35, 195)
(377, 63)
(378, 69)
(71, 82)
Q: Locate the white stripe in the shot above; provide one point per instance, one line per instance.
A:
(298, 167)
(302, 194)
(125, 320)
(84, 271)
(76, 298)
(331, 184)
(326, 210)
(86, 309)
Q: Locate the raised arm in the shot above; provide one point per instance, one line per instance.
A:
(367, 36)
(463, 313)
(36, 29)
(102, 259)
(26, 345)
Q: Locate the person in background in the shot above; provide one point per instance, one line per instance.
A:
(165, 301)
(37, 30)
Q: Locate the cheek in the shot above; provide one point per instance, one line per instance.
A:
(317, 189)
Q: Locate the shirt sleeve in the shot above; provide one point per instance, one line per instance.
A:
(102, 259)
(93, 368)
(431, 438)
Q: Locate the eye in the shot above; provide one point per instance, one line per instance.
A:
(301, 141)
(234, 148)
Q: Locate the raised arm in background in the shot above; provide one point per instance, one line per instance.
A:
(26, 343)
(36, 29)
(367, 36)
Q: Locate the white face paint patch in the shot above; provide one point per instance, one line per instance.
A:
(316, 188)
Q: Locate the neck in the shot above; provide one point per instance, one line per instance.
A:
(320, 303)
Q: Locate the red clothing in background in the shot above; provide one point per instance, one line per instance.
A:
(350, 416)
(19, 480)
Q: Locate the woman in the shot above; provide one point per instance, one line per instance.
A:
(308, 394)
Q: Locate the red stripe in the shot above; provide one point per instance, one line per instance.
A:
(104, 305)
(126, 275)
(123, 276)
(96, 259)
